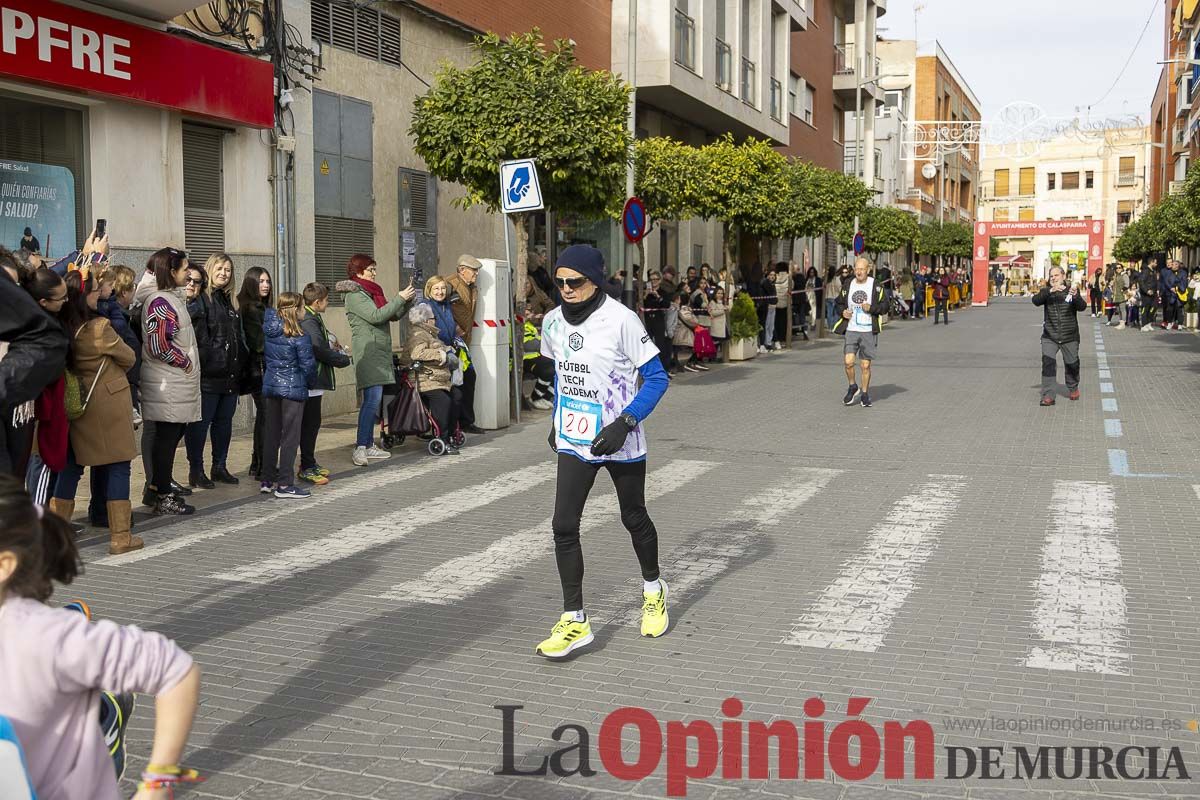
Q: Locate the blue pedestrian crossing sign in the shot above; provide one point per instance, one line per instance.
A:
(519, 187)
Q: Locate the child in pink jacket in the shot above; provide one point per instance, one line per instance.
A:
(54, 663)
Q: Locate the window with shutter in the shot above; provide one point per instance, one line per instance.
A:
(336, 239)
(418, 201)
(366, 34)
(320, 20)
(1025, 214)
(1070, 180)
(341, 25)
(1050, 180)
(1089, 179)
(1126, 171)
(357, 27)
(1001, 180)
(1000, 214)
(389, 40)
(203, 196)
(1027, 177)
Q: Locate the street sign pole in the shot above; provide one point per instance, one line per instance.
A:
(631, 76)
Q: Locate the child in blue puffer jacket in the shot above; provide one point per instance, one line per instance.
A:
(289, 367)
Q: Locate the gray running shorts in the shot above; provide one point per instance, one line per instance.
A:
(862, 344)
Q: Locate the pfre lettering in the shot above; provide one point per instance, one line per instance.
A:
(89, 50)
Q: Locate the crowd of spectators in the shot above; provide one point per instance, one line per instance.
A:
(96, 356)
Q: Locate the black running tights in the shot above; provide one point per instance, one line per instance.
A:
(575, 480)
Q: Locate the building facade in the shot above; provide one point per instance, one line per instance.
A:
(1078, 176)
(830, 59)
(939, 181)
(168, 157)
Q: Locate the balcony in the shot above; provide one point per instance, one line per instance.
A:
(846, 82)
(776, 100)
(914, 193)
(1126, 179)
(841, 61)
(724, 67)
(685, 41)
(749, 95)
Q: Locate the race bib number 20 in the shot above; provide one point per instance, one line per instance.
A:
(578, 420)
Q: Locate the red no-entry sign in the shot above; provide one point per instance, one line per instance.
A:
(633, 220)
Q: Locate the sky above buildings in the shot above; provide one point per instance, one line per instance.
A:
(1061, 55)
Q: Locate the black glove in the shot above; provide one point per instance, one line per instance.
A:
(551, 439)
(611, 438)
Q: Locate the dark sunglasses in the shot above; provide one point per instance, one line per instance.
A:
(196, 281)
(574, 283)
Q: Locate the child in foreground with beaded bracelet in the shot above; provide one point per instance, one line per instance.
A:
(55, 663)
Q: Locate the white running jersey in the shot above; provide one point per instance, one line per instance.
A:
(860, 295)
(595, 376)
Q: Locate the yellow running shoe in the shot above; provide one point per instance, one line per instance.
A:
(654, 612)
(566, 636)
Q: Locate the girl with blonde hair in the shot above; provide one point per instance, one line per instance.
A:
(289, 369)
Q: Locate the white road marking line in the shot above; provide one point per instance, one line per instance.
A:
(362, 536)
(856, 610)
(1104, 373)
(1112, 428)
(1106, 388)
(461, 577)
(709, 558)
(1109, 404)
(1196, 489)
(1080, 612)
(248, 516)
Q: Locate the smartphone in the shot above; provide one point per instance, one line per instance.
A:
(101, 228)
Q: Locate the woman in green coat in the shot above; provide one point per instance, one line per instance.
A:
(370, 315)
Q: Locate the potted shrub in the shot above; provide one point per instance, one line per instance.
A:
(743, 329)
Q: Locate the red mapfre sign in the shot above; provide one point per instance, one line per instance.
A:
(57, 45)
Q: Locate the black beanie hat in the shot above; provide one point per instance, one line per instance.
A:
(584, 259)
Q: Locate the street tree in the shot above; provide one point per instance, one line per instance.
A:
(521, 99)
(667, 178)
(742, 186)
(816, 200)
(885, 229)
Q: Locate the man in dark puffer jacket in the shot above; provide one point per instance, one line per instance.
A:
(1060, 331)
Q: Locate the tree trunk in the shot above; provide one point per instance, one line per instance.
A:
(521, 271)
(730, 233)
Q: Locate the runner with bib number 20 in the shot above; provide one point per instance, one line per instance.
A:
(599, 348)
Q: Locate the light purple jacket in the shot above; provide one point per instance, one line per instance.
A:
(53, 664)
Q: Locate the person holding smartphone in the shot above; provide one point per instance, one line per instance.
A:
(1060, 333)
(370, 314)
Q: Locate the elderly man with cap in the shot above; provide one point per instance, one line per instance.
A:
(463, 296)
(599, 348)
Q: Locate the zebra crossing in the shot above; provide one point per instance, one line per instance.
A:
(1076, 616)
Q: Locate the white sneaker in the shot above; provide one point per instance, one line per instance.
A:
(360, 456)
(375, 453)
(541, 404)
(1121, 327)
(1147, 327)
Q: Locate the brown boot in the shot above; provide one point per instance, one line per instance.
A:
(63, 509)
(119, 524)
